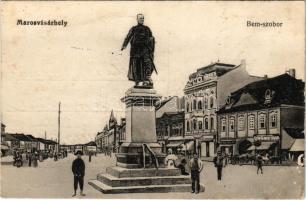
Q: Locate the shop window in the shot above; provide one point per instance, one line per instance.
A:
(241, 123)
(273, 120)
(252, 122)
(206, 123)
(223, 125)
(232, 125)
(200, 105)
(262, 121)
(200, 125)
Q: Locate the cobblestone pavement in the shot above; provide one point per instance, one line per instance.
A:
(54, 180)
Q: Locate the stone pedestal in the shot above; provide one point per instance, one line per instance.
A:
(129, 174)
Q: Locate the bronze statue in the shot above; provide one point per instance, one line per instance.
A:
(141, 63)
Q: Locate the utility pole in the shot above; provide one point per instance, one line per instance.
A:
(59, 127)
(45, 135)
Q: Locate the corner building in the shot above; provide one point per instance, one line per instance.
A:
(205, 91)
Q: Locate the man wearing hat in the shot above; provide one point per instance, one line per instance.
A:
(78, 170)
(196, 167)
(218, 161)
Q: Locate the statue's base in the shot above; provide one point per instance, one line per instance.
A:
(129, 174)
(123, 180)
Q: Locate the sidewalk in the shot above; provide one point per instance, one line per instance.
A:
(7, 160)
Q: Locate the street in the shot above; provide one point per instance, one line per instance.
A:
(54, 180)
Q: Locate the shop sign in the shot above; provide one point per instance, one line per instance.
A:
(227, 142)
(266, 138)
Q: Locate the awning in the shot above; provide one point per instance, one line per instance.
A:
(264, 145)
(174, 144)
(298, 145)
(4, 147)
(251, 148)
(188, 146)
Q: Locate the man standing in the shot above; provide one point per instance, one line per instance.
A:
(196, 167)
(259, 163)
(141, 55)
(218, 161)
(78, 170)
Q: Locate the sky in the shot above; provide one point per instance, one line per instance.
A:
(82, 67)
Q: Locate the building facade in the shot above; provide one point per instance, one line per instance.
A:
(112, 136)
(205, 91)
(170, 122)
(264, 116)
(170, 130)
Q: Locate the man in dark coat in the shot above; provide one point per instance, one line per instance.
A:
(218, 161)
(78, 170)
(141, 55)
(196, 166)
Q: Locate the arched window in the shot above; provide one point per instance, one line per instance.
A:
(223, 125)
(188, 126)
(200, 105)
(251, 122)
(205, 103)
(206, 123)
(194, 104)
(200, 125)
(273, 120)
(262, 121)
(241, 123)
(211, 101)
(212, 121)
(232, 125)
(194, 124)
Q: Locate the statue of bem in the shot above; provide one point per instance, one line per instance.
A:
(141, 63)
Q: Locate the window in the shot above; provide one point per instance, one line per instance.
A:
(212, 121)
(200, 125)
(252, 122)
(200, 105)
(206, 123)
(187, 107)
(194, 124)
(273, 120)
(223, 125)
(262, 121)
(241, 123)
(188, 126)
(232, 124)
(205, 103)
(194, 104)
(211, 101)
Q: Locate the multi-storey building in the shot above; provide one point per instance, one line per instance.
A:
(205, 91)
(170, 122)
(112, 135)
(266, 115)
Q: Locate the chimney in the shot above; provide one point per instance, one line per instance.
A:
(291, 72)
(265, 76)
(243, 63)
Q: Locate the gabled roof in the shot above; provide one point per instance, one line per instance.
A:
(91, 143)
(295, 132)
(32, 137)
(162, 103)
(284, 89)
(8, 137)
(220, 68)
(21, 137)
